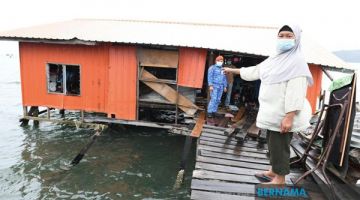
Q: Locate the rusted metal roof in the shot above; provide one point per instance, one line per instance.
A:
(254, 40)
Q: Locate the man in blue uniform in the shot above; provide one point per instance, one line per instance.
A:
(217, 85)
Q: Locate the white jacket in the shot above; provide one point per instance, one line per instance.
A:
(278, 99)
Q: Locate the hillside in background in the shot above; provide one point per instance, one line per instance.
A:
(351, 56)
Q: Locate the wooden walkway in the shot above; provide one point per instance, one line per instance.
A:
(225, 169)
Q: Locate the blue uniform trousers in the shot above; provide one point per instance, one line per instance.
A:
(215, 100)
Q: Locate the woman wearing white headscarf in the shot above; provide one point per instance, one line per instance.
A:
(283, 108)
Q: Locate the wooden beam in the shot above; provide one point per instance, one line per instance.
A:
(169, 93)
(239, 114)
(196, 132)
(253, 130)
(158, 58)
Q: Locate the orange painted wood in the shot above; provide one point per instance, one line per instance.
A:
(93, 61)
(107, 77)
(122, 82)
(196, 132)
(314, 92)
(191, 67)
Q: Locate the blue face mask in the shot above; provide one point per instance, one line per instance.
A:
(285, 45)
(219, 63)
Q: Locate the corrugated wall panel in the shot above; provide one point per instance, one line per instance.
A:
(122, 82)
(313, 92)
(93, 61)
(191, 67)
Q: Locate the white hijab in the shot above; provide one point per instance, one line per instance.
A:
(287, 65)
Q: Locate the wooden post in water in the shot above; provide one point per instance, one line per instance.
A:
(62, 113)
(82, 116)
(35, 113)
(48, 113)
(196, 131)
(23, 121)
(98, 130)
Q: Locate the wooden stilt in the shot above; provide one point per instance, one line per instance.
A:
(82, 115)
(25, 111)
(24, 121)
(196, 132)
(62, 113)
(48, 113)
(35, 113)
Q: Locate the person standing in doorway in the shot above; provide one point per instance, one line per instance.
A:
(217, 85)
(230, 81)
(283, 108)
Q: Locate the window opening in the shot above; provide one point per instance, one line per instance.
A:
(63, 79)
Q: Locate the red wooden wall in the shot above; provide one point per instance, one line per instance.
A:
(100, 73)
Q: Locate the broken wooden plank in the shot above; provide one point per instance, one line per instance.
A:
(229, 131)
(253, 130)
(240, 123)
(169, 93)
(225, 120)
(199, 125)
(205, 195)
(239, 114)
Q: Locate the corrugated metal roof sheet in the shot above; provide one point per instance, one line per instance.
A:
(253, 40)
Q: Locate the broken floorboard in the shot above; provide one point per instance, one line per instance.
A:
(225, 168)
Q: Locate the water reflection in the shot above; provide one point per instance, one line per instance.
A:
(122, 164)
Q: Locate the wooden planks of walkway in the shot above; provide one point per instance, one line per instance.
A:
(225, 168)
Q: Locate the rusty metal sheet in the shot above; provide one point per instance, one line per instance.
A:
(191, 67)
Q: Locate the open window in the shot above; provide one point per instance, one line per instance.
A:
(63, 79)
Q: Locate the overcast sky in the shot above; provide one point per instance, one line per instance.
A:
(332, 23)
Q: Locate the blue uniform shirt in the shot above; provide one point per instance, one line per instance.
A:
(216, 77)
